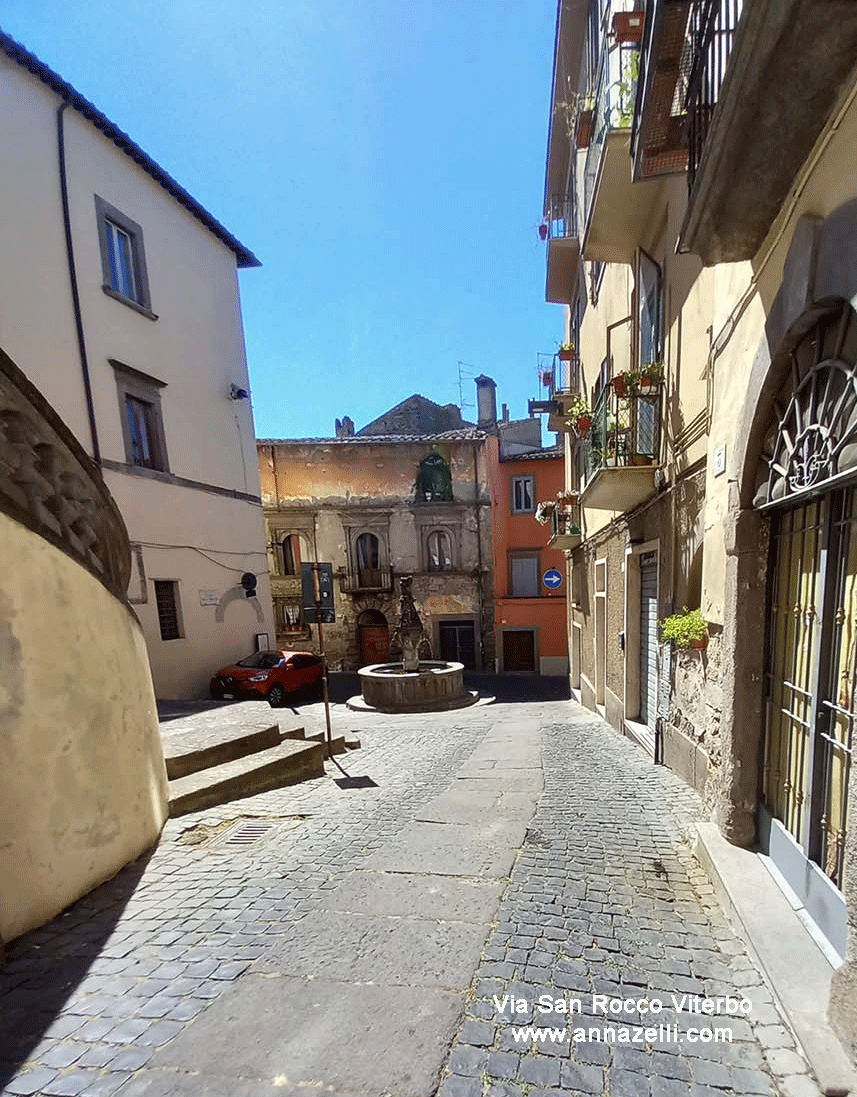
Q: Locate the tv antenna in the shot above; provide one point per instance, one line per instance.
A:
(466, 372)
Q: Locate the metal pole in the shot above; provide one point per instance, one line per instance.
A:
(323, 658)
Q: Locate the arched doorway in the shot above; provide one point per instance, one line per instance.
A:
(373, 634)
(807, 486)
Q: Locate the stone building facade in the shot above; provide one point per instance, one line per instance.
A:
(710, 292)
(378, 506)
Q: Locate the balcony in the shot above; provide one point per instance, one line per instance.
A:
(563, 249)
(763, 80)
(617, 210)
(566, 528)
(563, 384)
(622, 449)
(366, 580)
(659, 142)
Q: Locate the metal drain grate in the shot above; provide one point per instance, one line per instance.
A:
(246, 835)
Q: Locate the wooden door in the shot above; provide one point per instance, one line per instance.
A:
(519, 650)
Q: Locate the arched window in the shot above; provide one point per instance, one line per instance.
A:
(368, 560)
(434, 480)
(439, 551)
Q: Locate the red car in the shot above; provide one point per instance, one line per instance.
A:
(269, 675)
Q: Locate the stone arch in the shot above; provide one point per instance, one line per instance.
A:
(819, 280)
(235, 594)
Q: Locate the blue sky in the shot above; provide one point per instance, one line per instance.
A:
(383, 158)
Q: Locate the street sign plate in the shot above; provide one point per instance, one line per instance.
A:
(552, 579)
(324, 608)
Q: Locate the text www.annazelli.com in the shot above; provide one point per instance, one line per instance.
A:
(621, 1034)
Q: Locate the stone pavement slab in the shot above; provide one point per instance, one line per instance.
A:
(366, 1040)
(393, 951)
(421, 896)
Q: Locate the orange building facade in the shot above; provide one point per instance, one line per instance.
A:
(529, 614)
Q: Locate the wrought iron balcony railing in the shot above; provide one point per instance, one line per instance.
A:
(625, 430)
(358, 580)
(566, 527)
(615, 96)
(710, 34)
(561, 219)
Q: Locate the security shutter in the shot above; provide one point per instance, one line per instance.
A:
(525, 577)
(648, 637)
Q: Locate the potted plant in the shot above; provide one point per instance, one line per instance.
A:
(543, 231)
(685, 630)
(581, 416)
(625, 383)
(651, 377)
(547, 378)
(570, 497)
(566, 352)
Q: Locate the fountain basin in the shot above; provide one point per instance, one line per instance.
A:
(435, 687)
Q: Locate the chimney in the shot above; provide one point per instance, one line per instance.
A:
(505, 413)
(486, 402)
(345, 427)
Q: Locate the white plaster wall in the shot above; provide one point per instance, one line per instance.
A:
(82, 785)
(195, 346)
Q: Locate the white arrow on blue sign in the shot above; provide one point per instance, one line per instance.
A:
(552, 579)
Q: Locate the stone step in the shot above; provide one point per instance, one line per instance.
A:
(183, 758)
(287, 763)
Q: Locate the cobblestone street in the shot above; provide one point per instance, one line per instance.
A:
(352, 937)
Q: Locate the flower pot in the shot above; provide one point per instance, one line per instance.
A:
(543, 232)
(584, 129)
(566, 354)
(628, 27)
(640, 459)
(699, 645)
(620, 386)
(582, 425)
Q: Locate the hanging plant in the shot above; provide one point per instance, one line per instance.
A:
(685, 630)
(544, 512)
(543, 231)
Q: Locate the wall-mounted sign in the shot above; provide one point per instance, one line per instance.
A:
(209, 597)
(552, 579)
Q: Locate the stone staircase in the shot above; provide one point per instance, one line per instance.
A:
(213, 768)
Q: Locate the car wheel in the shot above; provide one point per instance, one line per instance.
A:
(276, 696)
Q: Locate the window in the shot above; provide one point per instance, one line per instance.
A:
(262, 660)
(650, 320)
(439, 551)
(141, 432)
(123, 260)
(289, 616)
(142, 424)
(524, 575)
(434, 480)
(167, 601)
(523, 493)
(368, 560)
(291, 546)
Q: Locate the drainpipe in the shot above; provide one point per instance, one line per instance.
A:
(479, 590)
(75, 295)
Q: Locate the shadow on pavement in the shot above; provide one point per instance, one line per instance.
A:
(44, 968)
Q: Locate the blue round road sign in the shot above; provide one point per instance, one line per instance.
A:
(552, 579)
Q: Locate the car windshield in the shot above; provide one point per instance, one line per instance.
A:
(263, 659)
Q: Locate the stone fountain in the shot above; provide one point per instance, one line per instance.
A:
(414, 684)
